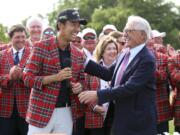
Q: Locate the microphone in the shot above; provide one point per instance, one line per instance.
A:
(67, 63)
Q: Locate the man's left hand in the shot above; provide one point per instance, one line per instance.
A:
(88, 97)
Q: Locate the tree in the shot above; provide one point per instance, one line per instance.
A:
(162, 16)
(3, 34)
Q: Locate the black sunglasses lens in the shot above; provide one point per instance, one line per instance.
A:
(89, 37)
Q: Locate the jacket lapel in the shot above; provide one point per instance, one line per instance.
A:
(9, 56)
(55, 53)
(25, 57)
(132, 65)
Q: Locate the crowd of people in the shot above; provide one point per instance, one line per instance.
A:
(76, 82)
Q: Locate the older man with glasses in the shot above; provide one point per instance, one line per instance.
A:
(132, 90)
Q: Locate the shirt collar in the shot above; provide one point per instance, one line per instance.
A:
(137, 49)
(15, 51)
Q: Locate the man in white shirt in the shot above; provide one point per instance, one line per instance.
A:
(132, 83)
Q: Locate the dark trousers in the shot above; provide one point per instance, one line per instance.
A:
(163, 127)
(177, 129)
(14, 125)
(97, 131)
(94, 131)
(79, 129)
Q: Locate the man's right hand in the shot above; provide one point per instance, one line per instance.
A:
(64, 74)
(15, 73)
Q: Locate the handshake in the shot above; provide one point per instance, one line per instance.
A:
(15, 73)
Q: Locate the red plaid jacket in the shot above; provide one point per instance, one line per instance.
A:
(174, 67)
(92, 119)
(11, 88)
(162, 95)
(9, 45)
(44, 60)
(5, 46)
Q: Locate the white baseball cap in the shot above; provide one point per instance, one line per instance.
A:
(88, 30)
(109, 26)
(156, 33)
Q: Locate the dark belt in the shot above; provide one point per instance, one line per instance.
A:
(64, 105)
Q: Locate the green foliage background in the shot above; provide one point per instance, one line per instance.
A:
(162, 15)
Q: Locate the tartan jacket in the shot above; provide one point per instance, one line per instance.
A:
(92, 119)
(5, 46)
(12, 89)
(174, 67)
(9, 45)
(162, 94)
(44, 60)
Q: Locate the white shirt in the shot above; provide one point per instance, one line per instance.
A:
(88, 54)
(104, 85)
(133, 52)
(19, 54)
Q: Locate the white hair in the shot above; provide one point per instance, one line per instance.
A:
(33, 19)
(139, 23)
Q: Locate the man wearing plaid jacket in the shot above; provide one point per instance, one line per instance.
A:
(15, 96)
(53, 104)
(174, 68)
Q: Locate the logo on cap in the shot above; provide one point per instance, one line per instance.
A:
(76, 13)
(63, 17)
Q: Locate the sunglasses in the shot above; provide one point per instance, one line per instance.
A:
(48, 33)
(89, 37)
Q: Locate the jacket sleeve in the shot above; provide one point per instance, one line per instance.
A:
(174, 69)
(4, 77)
(143, 75)
(98, 70)
(31, 73)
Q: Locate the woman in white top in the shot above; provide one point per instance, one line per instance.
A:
(105, 52)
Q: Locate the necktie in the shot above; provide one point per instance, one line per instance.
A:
(16, 58)
(123, 68)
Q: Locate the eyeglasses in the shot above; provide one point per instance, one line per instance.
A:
(130, 30)
(89, 37)
(48, 33)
